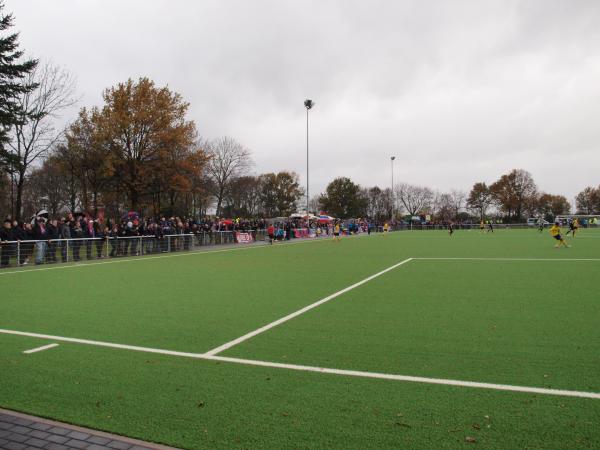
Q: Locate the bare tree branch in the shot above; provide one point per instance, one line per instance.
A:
(414, 198)
(228, 160)
(37, 132)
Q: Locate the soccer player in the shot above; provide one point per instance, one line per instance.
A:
(555, 232)
(450, 228)
(541, 224)
(385, 227)
(336, 232)
(490, 227)
(573, 226)
(481, 226)
(271, 233)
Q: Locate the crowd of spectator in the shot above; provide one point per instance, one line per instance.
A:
(46, 239)
(76, 235)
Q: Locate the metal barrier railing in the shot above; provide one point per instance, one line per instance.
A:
(461, 226)
(21, 253)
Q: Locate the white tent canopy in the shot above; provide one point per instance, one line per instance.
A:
(303, 216)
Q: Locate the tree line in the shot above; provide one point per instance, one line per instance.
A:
(512, 198)
(139, 150)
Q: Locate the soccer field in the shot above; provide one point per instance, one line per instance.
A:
(407, 340)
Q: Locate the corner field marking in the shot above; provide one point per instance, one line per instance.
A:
(352, 373)
(40, 349)
(262, 329)
(189, 253)
(449, 258)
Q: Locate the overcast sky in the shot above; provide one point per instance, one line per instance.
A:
(458, 91)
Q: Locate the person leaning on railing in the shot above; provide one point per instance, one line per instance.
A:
(53, 234)
(77, 235)
(64, 232)
(40, 234)
(114, 243)
(6, 247)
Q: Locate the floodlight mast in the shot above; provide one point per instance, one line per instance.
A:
(308, 104)
(392, 191)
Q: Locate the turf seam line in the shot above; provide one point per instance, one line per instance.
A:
(189, 253)
(291, 316)
(297, 367)
(40, 349)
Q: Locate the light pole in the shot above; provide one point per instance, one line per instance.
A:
(308, 104)
(392, 191)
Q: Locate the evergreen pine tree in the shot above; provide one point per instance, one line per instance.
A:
(12, 71)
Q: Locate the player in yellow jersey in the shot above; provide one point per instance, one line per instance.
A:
(336, 232)
(482, 226)
(386, 227)
(555, 232)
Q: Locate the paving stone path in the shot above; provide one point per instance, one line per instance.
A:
(23, 432)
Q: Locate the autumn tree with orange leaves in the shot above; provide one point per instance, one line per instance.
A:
(138, 151)
(145, 127)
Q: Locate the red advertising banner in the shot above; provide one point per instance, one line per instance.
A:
(304, 233)
(244, 238)
(300, 232)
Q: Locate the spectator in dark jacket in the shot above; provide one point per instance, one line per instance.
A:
(64, 233)
(40, 234)
(99, 233)
(87, 225)
(6, 249)
(53, 234)
(114, 243)
(27, 237)
(76, 233)
(133, 232)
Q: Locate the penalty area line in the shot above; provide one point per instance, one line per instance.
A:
(273, 324)
(323, 370)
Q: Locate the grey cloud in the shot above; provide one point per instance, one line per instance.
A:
(459, 91)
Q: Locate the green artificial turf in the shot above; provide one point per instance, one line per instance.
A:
(527, 323)
(191, 302)
(201, 404)
(510, 322)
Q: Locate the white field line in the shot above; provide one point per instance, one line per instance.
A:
(389, 376)
(262, 329)
(352, 373)
(40, 349)
(101, 344)
(449, 258)
(189, 253)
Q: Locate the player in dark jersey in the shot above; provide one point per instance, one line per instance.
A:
(573, 227)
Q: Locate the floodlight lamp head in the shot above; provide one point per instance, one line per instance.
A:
(308, 104)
